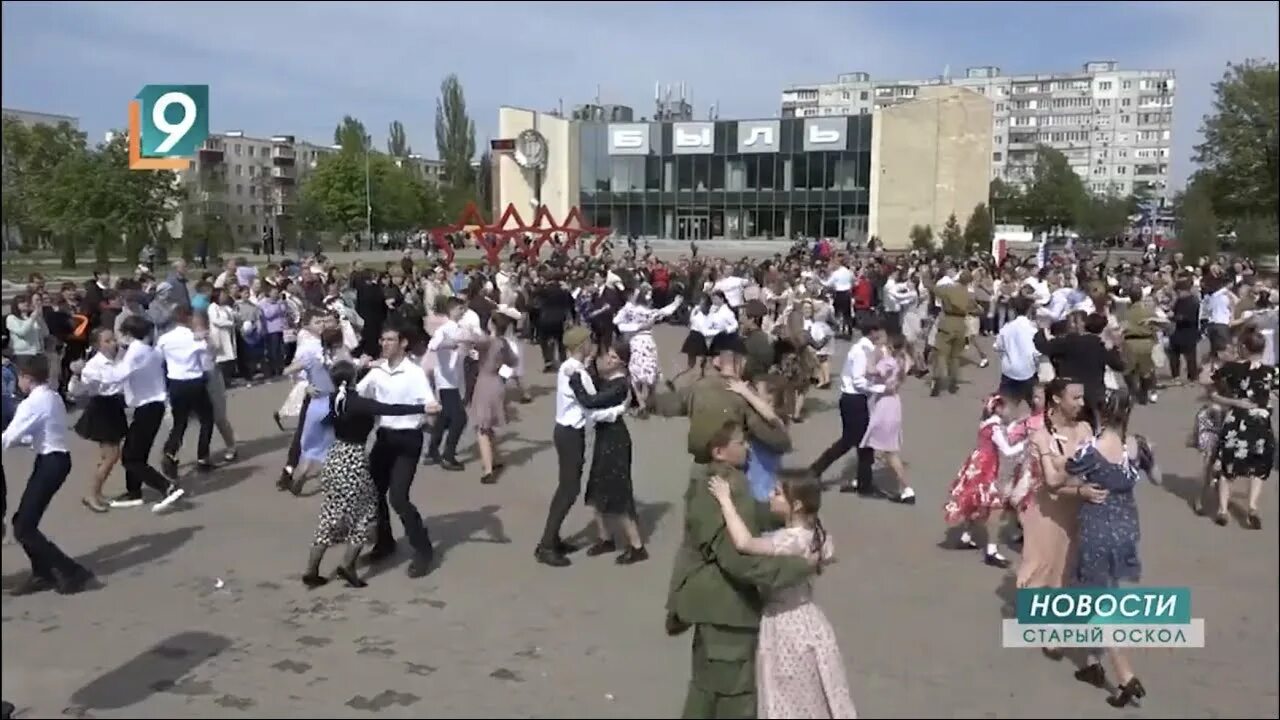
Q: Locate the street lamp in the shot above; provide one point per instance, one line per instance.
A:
(368, 198)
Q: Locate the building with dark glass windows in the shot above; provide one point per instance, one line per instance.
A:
(844, 177)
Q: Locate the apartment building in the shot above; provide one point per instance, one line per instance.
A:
(1114, 126)
(31, 118)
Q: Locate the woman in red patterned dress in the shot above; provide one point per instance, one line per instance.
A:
(976, 491)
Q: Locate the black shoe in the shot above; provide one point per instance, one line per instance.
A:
(350, 577)
(314, 580)
(488, 479)
(452, 465)
(848, 488)
(420, 565)
(72, 582)
(953, 388)
(169, 466)
(602, 547)
(1221, 519)
(6, 710)
(1129, 692)
(32, 585)
(935, 391)
(1092, 674)
(285, 481)
(907, 500)
(205, 465)
(279, 423)
(429, 460)
(550, 556)
(995, 560)
(632, 556)
(1253, 522)
(565, 548)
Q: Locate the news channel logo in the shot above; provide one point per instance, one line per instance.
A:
(167, 125)
(1104, 617)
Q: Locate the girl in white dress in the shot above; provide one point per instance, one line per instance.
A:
(799, 670)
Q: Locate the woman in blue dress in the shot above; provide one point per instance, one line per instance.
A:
(1108, 530)
(317, 428)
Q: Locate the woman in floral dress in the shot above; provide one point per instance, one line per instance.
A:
(889, 365)
(799, 669)
(635, 323)
(1247, 446)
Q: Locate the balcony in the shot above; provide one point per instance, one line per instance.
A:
(282, 155)
(283, 173)
(211, 150)
(280, 210)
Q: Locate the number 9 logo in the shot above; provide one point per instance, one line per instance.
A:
(174, 132)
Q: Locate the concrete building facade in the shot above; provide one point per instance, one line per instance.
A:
(837, 177)
(1114, 126)
(31, 118)
(930, 160)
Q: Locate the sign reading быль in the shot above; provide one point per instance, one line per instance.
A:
(1103, 617)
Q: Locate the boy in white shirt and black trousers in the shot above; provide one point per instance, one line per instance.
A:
(42, 417)
(397, 380)
(183, 354)
(570, 440)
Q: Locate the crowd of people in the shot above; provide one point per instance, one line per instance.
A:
(413, 353)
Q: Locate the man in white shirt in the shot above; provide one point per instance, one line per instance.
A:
(899, 293)
(1218, 311)
(449, 343)
(42, 417)
(396, 379)
(183, 355)
(855, 412)
(1016, 344)
(569, 438)
(840, 282)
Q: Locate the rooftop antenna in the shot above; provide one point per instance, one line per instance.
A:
(597, 93)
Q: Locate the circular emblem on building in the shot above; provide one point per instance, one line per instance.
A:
(531, 150)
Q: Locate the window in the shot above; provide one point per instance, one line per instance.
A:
(236, 148)
(864, 111)
(863, 95)
(844, 95)
(999, 107)
(884, 92)
(240, 209)
(239, 168)
(1104, 102)
(1126, 85)
(239, 189)
(997, 157)
(1126, 119)
(1104, 85)
(998, 140)
(1024, 121)
(253, 170)
(1100, 170)
(250, 149)
(999, 122)
(1122, 153)
(1121, 169)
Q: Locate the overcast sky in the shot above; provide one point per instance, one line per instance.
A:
(294, 67)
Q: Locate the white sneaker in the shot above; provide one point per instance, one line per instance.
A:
(170, 498)
(983, 362)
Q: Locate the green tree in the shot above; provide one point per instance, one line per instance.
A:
(1056, 196)
(952, 237)
(1104, 217)
(1256, 237)
(1241, 141)
(978, 230)
(398, 141)
(333, 196)
(1197, 226)
(921, 238)
(351, 135)
(1006, 202)
(455, 135)
(484, 182)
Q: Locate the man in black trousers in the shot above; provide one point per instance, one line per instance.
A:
(855, 410)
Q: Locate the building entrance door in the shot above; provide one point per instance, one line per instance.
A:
(692, 227)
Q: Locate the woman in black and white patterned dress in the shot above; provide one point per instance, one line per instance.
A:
(349, 513)
(1247, 443)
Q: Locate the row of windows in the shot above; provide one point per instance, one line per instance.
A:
(848, 170)
(729, 220)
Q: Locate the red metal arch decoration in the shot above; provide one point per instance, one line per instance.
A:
(510, 227)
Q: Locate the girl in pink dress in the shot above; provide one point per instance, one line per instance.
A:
(888, 365)
(799, 670)
(976, 490)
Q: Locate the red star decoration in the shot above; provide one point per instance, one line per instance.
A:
(573, 228)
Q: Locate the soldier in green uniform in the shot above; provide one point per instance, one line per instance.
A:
(714, 588)
(957, 304)
(1139, 341)
(717, 590)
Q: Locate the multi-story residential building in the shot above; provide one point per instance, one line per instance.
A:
(30, 118)
(1114, 126)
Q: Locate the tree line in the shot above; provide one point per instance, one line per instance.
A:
(63, 194)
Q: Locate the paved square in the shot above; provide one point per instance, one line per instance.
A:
(202, 613)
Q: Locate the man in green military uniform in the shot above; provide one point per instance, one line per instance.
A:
(957, 304)
(1139, 341)
(717, 590)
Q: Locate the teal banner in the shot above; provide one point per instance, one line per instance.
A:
(1104, 606)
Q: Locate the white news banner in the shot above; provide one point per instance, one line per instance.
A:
(1015, 635)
